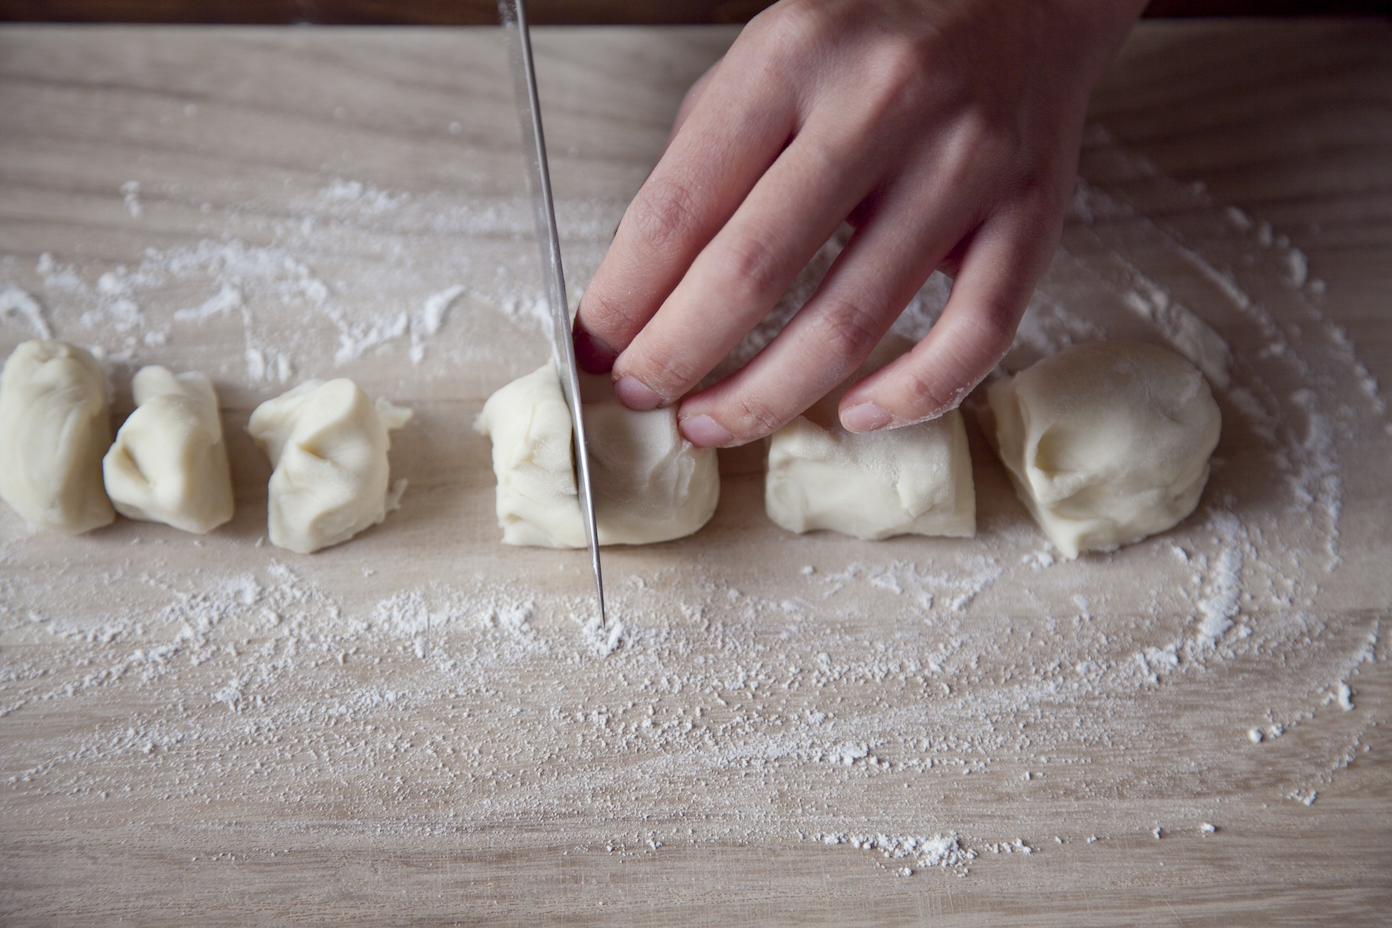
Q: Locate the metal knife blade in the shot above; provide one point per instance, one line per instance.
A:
(513, 14)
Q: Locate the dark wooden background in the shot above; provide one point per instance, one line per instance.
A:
(570, 12)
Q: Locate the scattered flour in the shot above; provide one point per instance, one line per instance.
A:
(908, 853)
(130, 192)
(425, 324)
(17, 303)
(724, 701)
(1345, 696)
(227, 299)
(1218, 609)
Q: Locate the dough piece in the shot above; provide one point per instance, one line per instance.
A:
(1106, 442)
(649, 483)
(169, 462)
(911, 480)
(328, 444)
(537, 500)
(54, 429)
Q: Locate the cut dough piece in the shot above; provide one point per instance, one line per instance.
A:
(911, 480)
(54, 429)
(328, 444)
(649, 483)
(529, 424)
(169, 462)
(1106, 442)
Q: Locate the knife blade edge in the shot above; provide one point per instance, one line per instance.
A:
(514, 19)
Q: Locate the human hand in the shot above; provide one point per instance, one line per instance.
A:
(946, 132)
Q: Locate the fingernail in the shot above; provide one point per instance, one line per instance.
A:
(592, 353)
(635, 394)
(866, 417)
(703, 431)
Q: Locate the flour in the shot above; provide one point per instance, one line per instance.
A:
(354, 340)
(227, 299)
(264, 363)
(750, 688)
(912, 852)
(1185, 331)
(1345, 696)
(130, 192)
(1220, 606)
(425, 325)
(365, 197)
(16, 303)
(972, 576)
(1298, 266)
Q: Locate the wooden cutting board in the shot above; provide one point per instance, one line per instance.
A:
(419, 726)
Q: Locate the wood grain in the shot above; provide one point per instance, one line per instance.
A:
(1278, 139)
(153, 800)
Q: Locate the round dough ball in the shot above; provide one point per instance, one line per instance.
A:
(1106, 442)
(54, 428)
(169, 462)
(328, 444)
(649, 483)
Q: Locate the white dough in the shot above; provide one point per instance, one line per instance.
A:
(529, 424)
(54, 429)
(169, 462)
(328, 444)
(1106, 442)
(911, 480)
(649, 483)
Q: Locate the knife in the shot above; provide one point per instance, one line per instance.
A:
(513, 14)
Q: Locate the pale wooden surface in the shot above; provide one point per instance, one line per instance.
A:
(337, 782)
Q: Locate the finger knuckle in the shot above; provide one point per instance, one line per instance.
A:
(794, 30)
(983, 146)
(929, 394)
(751, 270)
(994, 322)
(665, 212)
(667, 368)
(680, 374)
(754, 418)
(964, 358)
(897, 77)
(846, 330)
(607, 318)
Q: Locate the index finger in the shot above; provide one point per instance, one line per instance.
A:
(724, 145)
